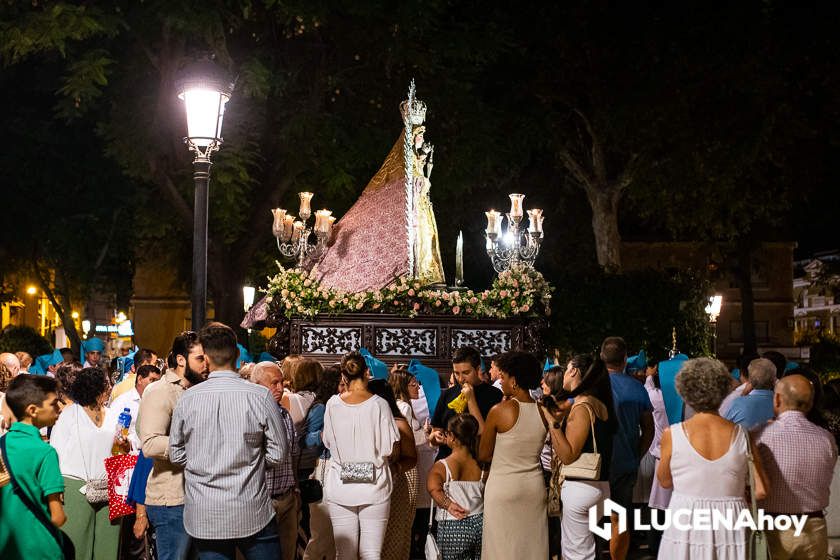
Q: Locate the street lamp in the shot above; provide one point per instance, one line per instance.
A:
(713, 311)
(205, 89)
(248, 297)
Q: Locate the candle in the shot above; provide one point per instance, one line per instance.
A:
(535, 220)
(298, 228)
(277, 227)
(288, 226)
(305, 210)
(493, 222)
(322, 223)
(459, 260)
(516, 205)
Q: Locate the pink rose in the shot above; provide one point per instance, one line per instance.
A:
(513, 304)
(360, 305)
(345, 301)
(516, 283)
(307, 282)
(411, 292)
(469, 310)
(525, 308)
(503, 293)
(437, 303)
(288, 305)
(396, 302)
(445, 295)
(376, 306)
(473, 300)
(456, 310)
(416, 307)
(284, 292)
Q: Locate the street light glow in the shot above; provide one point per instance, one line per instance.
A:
(713, 307)
(205, 110)
(31, 290)
(75, 314)
(248, 297)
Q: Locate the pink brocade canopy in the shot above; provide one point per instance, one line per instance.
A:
(369, 248)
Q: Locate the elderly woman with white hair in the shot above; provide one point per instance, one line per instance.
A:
(704, 460)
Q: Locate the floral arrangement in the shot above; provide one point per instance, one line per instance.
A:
(522, 290)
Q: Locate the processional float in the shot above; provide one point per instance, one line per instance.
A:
(374, 278)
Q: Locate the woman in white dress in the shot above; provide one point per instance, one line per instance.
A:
(704, 460)
(360, 432)
(83, 437)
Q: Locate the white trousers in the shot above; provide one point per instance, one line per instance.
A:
(359, 531)
(577, 542)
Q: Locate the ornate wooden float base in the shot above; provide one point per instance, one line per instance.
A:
(394, 338)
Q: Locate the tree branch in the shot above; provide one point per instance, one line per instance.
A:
(572, 166)
(596, 151)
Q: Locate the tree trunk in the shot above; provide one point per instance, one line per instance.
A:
(604, 205)
(744, 271)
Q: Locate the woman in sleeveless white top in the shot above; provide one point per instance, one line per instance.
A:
(515, 515)
(703, 484)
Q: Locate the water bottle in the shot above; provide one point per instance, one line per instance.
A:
(121, 444)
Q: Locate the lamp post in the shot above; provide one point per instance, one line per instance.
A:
(713, 311)
(205, 89)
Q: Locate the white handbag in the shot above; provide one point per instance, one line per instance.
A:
(432, 550)
(588, 465)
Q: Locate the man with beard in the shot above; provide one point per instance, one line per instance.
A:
(165, 487)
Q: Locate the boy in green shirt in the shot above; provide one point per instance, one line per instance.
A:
(34, 465)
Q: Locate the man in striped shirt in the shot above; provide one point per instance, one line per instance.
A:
(223, 433)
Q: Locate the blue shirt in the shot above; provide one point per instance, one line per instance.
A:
(630, 401)
(752, 410)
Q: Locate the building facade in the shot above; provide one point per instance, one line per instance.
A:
(772, 283)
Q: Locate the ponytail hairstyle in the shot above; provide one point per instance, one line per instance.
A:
(353, 366)
(464, 428)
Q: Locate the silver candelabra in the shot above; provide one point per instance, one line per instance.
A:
(513, 245)
(294, 236)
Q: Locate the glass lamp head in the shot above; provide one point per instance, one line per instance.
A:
(205, 89)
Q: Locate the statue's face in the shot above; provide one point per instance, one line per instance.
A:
(418, 141)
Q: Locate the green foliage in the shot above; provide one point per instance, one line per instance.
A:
(642, 307)
(824, 351)
(24, 339)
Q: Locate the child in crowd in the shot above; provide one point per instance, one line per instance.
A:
(35, 472)
(456, 485)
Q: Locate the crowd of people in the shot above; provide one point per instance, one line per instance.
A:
(289, 459)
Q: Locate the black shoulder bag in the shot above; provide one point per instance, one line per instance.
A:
(64, 542)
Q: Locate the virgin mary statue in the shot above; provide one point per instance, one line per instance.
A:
(390, 231)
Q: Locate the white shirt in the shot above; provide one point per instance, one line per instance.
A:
(364, 432)
(131, 401)
(420, 406)
(416, 426)
(82, 447)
